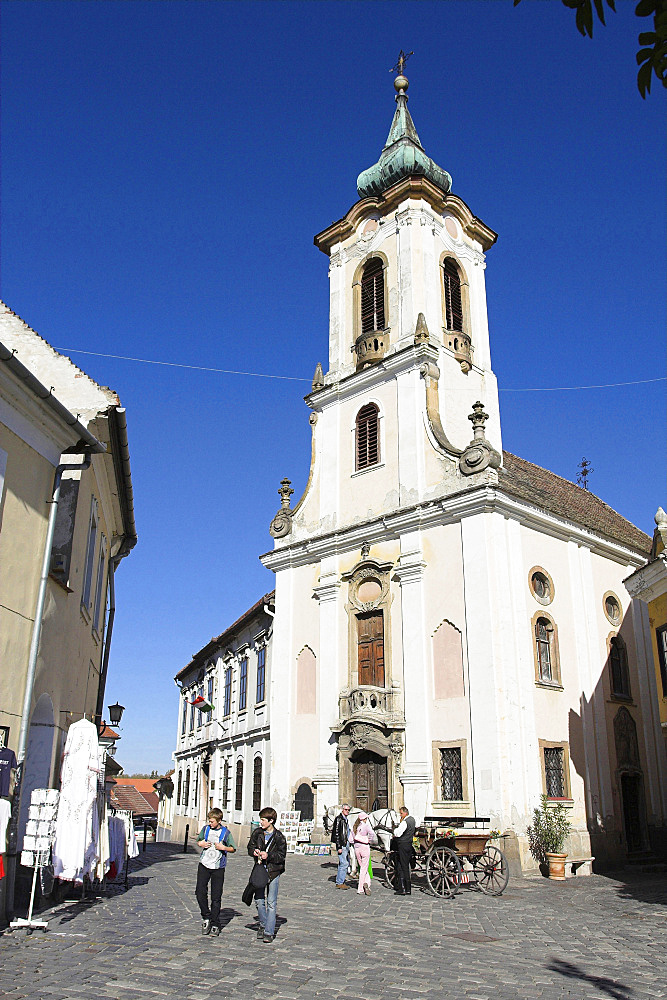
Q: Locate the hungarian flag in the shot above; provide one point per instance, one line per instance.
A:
(202, 704)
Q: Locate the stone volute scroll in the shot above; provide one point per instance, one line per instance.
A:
(281, 525)
(479, 455)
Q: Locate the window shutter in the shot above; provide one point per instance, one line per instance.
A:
(372, 296)
(453, 305)
(368, 441)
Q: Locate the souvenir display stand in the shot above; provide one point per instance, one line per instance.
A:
(37, 842)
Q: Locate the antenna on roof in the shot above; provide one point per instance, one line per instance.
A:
(585, 468)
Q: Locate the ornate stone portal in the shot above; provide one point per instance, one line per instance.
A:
(371, 715)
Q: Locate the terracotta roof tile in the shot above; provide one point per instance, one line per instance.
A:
(559, 496)
(127, 797)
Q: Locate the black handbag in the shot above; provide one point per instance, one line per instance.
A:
(248, 894)
(259, 876)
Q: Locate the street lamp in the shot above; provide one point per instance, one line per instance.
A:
(115, 713)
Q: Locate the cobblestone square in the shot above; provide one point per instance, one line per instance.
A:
(596, 937)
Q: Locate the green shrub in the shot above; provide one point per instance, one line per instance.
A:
(548, 831)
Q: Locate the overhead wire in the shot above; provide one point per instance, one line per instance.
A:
(300, 378)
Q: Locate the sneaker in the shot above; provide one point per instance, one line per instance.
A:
(260, 933)
(215, 930)
(268, 938)
(206, 926)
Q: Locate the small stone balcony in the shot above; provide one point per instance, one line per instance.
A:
(371, 347)
(461, 345)
(370, 704)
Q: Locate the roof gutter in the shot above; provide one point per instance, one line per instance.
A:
(36, 387)
(120, 453)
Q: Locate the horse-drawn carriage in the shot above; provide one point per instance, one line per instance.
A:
(452, 852)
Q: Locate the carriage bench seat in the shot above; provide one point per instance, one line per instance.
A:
(574, 864)
(457, 821)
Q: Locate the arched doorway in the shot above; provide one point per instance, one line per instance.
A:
(304, 801)
(369, 781)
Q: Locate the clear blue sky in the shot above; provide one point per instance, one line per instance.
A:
(164, 169)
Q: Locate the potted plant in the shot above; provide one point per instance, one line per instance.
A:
(547, 835)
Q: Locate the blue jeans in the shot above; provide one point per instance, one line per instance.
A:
(343, 865)
(266, 900)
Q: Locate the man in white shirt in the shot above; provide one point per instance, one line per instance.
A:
(402, 844)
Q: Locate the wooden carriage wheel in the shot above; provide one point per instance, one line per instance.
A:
(443, 871)
(491, 870)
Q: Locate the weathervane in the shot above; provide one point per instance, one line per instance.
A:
(400, 64)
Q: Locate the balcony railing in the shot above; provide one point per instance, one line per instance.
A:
(372, 703)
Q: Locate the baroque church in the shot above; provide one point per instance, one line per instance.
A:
(451, 627)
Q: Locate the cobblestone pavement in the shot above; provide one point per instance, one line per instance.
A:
(591, 937)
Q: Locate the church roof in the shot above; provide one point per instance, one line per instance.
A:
(403, 154)
(559, 496)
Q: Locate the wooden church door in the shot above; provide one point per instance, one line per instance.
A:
(370, 781)
(370, 635)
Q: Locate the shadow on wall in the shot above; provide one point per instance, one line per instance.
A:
(618, 828)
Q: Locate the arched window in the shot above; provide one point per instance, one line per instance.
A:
(372, 296)
(186, 793)
(238, 801)
(367, 437)
(257, 785)
(225, 785)
(545, 649)
(178, 792)
(453, 302)
(618, 663)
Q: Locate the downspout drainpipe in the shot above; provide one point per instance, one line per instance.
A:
(32, 664)
(99, 710)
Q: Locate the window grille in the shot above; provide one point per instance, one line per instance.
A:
(243, 683)
(543, 635)
(554, 772)
(620, 680)
(257, 785)
(451, 777)
(372, 296)
(238, 803)
(228, 692)
(261, 673)
(453, 304)
(367, 437)
(225, 785)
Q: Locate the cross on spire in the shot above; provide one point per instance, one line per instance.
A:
(400, 64)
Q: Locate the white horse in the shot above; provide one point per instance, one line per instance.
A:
(383, 822)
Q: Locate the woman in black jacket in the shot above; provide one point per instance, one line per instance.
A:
(269, 848)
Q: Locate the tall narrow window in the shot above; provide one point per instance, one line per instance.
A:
(178, 788)
(238, 801)
(195, 787)
(554, 772)
(243, 684)
(200, 694)
(184, 720)
(618, 661)
(370, 641)
(225, 785)
(451, 775)
(186, 793)
(209, 695)
(257, 785)
(228, 692)
(367, 437)
(453, 304)
(192, 714)
(261, 673)
(661, 638)
(543, 634)
(372, 296)
(99, 586)
(90, 556)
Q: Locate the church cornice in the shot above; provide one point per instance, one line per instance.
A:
(412, 188)
(396, 363)
(444, 510)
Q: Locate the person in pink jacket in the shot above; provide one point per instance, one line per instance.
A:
(363, 836)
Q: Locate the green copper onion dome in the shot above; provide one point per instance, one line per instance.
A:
(403, 154)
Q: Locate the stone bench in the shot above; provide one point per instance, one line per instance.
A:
(573, 866)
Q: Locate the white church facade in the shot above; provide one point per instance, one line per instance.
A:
(451, 627)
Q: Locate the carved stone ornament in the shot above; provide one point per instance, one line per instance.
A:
(318, 378)
(479, 455)
(361, 735)
(281, 525)
(365, 550)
